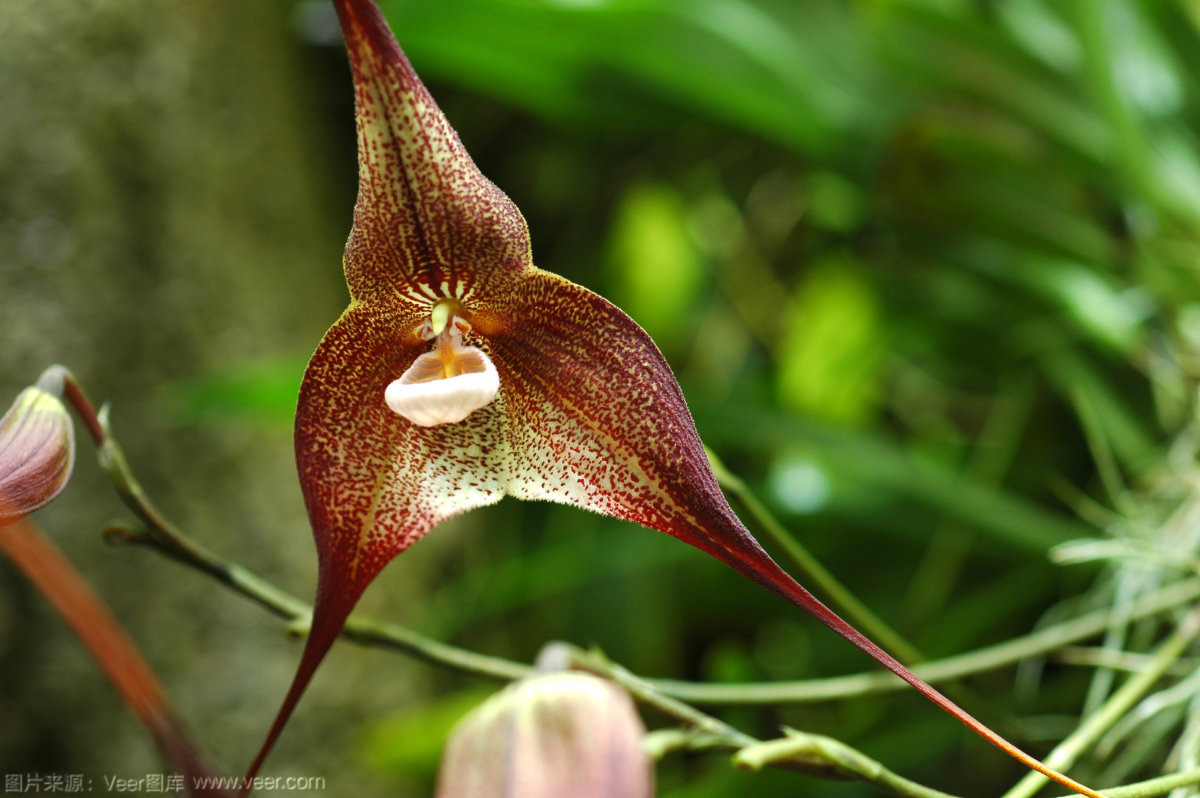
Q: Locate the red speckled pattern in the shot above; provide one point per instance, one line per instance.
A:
(427, 223)
(588, 412)
(593, 417)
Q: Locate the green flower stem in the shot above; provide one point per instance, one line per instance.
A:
(162, 536)
(812, 572)
(387, 635)
(813, 754)
(829, 758)
(1155, 787)
(816, 575)
(659, 742)
(1127, 661)
(1089, 732)
(816, 755)
(645, 692)
(985, 659)
(822, 756)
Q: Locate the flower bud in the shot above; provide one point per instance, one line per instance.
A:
(549, 736)
(37, 448)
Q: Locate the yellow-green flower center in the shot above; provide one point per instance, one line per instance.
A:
(448, 383)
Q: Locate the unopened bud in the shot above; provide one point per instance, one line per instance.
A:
(37, 447)
(550, 736)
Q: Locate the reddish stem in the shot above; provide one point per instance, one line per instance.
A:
(66, 590)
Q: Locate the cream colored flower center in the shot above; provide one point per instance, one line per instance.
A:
(448, 383)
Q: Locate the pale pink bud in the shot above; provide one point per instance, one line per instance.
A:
(549, 736)
(37, 447)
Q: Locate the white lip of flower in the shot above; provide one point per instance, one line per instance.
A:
(447, 384)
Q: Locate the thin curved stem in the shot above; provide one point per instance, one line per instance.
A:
(811, 571)
(814, 754)
(981, 660)
(1155, 787)
(162, 536)
(818, 752)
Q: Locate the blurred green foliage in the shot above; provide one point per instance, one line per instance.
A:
(927, 271)
(831, 347)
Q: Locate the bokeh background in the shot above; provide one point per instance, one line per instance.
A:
(926, 270)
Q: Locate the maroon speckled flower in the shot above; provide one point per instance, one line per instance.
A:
(461, 373)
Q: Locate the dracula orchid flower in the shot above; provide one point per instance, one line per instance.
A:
(461, 373)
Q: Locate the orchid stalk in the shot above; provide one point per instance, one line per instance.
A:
(461, 373)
